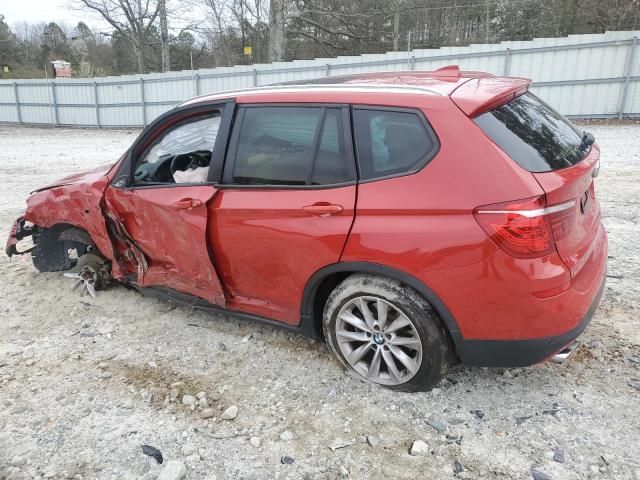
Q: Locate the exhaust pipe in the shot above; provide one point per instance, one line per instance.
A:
(563, 354)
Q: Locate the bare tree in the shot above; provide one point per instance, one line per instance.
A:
(397, 6)
(131, 18)
(276, 30)
(216, 36)
(164, 35)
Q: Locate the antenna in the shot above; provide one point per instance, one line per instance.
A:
(451, 72)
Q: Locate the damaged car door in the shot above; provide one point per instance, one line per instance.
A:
(157, 204)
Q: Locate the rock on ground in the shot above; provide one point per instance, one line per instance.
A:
(230, 413)
(172, 470)
(419, 447)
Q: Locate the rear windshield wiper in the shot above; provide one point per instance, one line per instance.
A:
(587, 141)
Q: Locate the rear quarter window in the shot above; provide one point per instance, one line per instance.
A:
(533, 134)
(390, 142)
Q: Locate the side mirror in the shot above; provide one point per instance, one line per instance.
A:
(121, 182)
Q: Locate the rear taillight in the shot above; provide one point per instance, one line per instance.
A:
(526, 228)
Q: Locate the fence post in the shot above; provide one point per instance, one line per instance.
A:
(17, 97)
(507, 62)
(196, 84)
(412, 62)
(143, 105)
(255, 77)
(54, 101)
(628, 69)
(95, 103)
(327, 70)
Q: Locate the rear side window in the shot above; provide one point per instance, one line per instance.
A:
(537, 137)
(392, 142)
(291, 146)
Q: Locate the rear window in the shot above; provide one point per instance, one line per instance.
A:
(537, 137)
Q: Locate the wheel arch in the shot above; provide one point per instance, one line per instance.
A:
(321, 283)
(73, 233)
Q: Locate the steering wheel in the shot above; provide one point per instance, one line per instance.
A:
(154, 172)
(186, 161)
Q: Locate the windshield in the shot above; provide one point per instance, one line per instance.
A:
(537, 137)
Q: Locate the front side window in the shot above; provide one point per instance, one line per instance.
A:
(181, 155)
(391, 142)
(291, 146)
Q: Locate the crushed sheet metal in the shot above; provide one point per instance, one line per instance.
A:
(79, 205)
(139, 259)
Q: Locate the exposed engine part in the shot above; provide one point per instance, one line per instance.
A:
(92, 273)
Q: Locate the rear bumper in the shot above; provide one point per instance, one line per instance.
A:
(502, 323)
(523, 353)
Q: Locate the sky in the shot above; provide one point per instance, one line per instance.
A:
(67, 12)
(35, 11)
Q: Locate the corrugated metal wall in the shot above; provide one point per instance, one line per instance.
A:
(596, 75)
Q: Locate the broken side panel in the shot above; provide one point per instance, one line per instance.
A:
(167, 225)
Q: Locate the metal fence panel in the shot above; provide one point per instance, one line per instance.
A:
(6, 93)
(633, 102)
(69, 93)
(36, 115)
(8, 113)
(34, 93)
(121, 116)
(592, 75)
(76, 116)
(586, 100)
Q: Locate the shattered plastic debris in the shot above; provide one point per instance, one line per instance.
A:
(152, 452)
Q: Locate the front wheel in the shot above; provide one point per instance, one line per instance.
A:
(386, 333)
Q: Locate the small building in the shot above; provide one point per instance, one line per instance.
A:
(61, 68)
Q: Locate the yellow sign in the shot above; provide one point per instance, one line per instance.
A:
(6, 68)
(248, 51)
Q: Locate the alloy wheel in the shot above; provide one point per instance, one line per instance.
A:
(378, 340)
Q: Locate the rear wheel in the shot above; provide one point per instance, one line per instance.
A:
(386, 333)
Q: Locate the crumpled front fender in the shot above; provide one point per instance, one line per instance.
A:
(79, 205)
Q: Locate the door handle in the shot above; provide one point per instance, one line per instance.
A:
(323, 209)
(187, 203)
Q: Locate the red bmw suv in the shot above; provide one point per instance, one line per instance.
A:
(409, 219)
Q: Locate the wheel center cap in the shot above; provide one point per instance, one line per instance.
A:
(378, 338)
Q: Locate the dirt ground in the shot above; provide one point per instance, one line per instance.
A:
(84, 383)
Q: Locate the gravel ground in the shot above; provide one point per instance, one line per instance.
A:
(84, 383)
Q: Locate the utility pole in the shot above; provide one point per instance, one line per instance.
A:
(164, 36)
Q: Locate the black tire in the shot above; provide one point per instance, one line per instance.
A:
(436, 345)
(51, 254)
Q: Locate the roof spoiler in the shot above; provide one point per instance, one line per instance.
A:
(479, 95)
